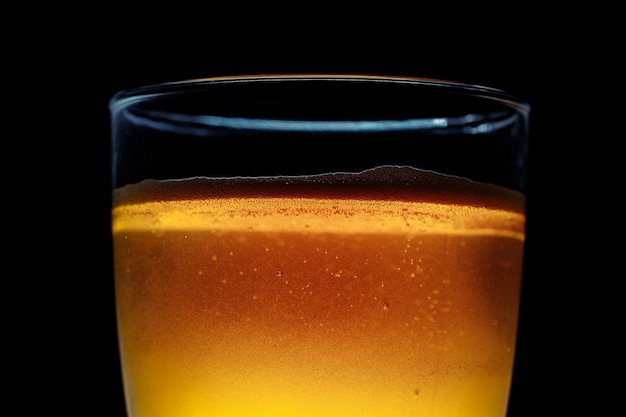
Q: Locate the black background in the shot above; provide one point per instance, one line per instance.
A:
(76, 367)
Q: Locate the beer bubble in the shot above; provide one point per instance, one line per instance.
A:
(279, 273)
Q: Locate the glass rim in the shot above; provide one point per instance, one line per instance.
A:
(128, 97)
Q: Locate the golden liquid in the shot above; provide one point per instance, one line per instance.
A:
(281, 298)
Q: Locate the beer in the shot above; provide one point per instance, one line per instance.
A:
(393, 291)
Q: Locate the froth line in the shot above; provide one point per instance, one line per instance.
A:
(318, 216)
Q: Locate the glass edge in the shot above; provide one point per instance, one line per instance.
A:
(123, 98)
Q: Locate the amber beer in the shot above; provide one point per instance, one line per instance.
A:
(392, 292)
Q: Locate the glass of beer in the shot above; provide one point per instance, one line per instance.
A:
(318, 246)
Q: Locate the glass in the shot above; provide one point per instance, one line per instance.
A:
(318, 245)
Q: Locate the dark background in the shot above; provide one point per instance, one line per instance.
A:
(528, 58)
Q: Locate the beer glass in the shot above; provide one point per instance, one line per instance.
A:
(318, 245)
